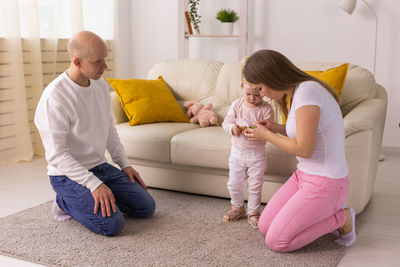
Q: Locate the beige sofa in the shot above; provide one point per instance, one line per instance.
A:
(185, 157)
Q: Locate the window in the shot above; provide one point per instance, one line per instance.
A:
(56, 17)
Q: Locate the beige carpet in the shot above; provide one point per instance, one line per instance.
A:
(186, 230)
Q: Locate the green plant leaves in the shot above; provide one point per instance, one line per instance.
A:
(227, 15)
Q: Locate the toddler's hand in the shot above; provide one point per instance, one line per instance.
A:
(236, 130)
(248, 124)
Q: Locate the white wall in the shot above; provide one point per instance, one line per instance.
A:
(307, 30)
(123, 34)
(153, 34)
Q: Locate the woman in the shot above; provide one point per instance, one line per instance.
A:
(310, 204)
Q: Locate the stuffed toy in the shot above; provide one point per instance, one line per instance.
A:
(201, 114)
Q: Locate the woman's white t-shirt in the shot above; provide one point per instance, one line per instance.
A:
(329, 157)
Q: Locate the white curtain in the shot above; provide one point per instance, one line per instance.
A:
(33, 37)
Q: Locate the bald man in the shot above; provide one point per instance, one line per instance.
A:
(76, 126)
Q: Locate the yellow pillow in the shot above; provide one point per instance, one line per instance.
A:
(147, 101)
(335, 77)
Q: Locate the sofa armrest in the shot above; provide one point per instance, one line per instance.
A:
(116, 109)
(365, 115)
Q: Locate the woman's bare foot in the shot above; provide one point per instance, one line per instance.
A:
(347, 231)
(348, 224)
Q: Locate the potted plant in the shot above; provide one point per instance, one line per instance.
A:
(227, 17)
(194, 16)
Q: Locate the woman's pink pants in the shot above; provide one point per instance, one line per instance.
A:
(302, 210)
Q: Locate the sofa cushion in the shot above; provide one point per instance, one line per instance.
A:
(147, 101)
(227, 89)
(189, 79)
(117, 111)
(150, 141)
(210, 147)
(279, 162)
(335, 77)
(203, 147)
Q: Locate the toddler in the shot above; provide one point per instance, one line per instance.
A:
(247, 157)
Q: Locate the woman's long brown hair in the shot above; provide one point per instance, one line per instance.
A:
(276, 71)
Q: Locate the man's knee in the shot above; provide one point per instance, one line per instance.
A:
(113, 225)
(148, 208)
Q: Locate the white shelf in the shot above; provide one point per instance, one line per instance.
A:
(183, 37)
(210, 36)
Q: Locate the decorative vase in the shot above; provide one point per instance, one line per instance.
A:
(227, 28)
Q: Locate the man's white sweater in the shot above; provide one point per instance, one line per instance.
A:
(76, 127)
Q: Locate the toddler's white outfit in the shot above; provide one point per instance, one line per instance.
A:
(246, 156)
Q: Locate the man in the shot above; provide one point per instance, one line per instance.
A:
(75, 123)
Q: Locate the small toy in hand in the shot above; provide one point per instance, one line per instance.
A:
(247, 124)
(201, 114)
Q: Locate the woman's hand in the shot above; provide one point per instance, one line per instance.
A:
(267, 123)
(273, 126)
(258, 133)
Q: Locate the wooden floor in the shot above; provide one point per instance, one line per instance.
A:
(378, 238)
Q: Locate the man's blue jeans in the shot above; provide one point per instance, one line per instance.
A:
(77, 200)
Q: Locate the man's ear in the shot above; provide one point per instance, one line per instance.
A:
(77, 61)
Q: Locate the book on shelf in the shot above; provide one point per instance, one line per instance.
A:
(188, 24)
